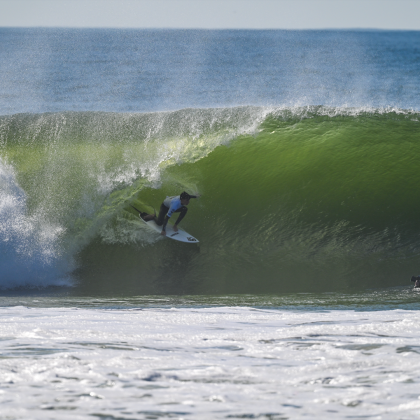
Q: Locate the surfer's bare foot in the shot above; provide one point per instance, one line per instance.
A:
(163, 233)
(175, 228)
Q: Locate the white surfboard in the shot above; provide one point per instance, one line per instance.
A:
(180, 235)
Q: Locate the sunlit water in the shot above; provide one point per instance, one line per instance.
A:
(101, 320)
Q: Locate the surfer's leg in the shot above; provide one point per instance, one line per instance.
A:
(162, 213)
(147, 217)
(183, 210)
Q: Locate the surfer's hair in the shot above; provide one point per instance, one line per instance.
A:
(184, 196)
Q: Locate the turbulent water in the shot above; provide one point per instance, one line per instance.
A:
(295, 303)
(293, 199)
(303, 146)
(212, 363)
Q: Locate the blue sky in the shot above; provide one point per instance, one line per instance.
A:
(213, 14)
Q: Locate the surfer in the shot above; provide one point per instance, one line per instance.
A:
(416, 281)
(170, 205)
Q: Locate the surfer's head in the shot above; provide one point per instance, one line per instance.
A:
(185, 198)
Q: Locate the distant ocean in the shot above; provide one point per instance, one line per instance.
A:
(297, 301)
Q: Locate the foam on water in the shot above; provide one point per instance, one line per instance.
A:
(208, 363)
(28, 245)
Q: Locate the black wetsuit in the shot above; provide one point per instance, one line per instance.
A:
(416, 281)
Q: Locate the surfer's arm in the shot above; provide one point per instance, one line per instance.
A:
(175, 226)
(175, 206)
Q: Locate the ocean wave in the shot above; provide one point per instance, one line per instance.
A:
(293, 198)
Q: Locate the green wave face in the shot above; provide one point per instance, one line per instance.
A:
(308, 199)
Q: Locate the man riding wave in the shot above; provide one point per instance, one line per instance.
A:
(175, 204)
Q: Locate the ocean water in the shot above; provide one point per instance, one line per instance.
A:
(296, 302)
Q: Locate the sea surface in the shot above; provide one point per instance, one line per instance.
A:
(296, 302)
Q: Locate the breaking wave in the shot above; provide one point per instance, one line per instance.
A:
(293, 199)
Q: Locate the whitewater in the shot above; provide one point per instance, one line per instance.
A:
(297, 301)
(216, 363)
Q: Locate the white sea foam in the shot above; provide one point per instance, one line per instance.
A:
(28, 244)
(208, 363)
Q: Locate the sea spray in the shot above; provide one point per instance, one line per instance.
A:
(293, 199)
(79, 170)
(29, 246)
